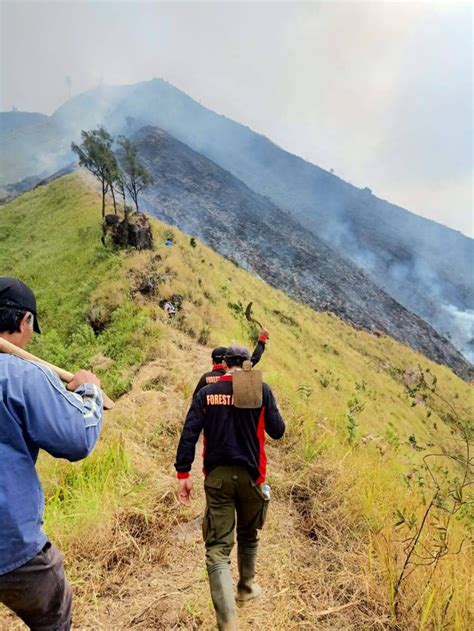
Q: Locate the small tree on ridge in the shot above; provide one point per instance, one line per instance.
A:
(135, 176)
(96, 155)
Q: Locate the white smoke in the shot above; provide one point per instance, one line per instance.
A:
(461, 327)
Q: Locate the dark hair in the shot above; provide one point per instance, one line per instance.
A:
(10, 319)
(236, 355)
(234, 361)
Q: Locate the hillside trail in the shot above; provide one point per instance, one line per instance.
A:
(160, 581)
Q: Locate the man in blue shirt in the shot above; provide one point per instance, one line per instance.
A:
(36, 412)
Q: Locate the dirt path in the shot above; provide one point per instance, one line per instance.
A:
(155, 577)
(174, 593)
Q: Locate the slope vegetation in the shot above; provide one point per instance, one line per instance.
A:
(410, 257)
(349, 468)
(202, 198)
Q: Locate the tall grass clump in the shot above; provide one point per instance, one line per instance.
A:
(80, 496)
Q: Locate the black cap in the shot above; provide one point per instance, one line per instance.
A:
(218, 353)
(15, 294)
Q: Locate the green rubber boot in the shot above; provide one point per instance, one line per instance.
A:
(247, 589)
(222, 593)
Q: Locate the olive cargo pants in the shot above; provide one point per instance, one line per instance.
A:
(230, 490)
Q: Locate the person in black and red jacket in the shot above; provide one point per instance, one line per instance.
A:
(217, 357)
(235, 469)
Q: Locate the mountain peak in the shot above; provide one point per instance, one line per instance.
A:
(426, 267)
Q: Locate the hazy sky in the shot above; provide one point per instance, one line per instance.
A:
(379, 91)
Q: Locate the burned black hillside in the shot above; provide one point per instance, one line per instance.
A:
(206, 201)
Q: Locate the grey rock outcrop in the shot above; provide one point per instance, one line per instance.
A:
(133, 231)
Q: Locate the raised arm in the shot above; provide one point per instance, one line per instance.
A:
(260, 348)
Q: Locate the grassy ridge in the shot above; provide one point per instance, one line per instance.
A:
(61, 256)
(343, 393)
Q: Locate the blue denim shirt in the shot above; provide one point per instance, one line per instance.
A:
(36, 412)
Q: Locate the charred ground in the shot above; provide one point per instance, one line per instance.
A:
(204, 200)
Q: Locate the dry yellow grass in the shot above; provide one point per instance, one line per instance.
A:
(329, 550)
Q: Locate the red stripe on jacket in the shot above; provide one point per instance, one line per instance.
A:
(262, 462)
(203, 452)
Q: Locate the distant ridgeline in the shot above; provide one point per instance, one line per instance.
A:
(424, 266)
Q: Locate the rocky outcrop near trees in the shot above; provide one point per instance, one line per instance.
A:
(132, 231)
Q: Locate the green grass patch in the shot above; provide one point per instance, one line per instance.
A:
(81, 495)
(342, 392)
